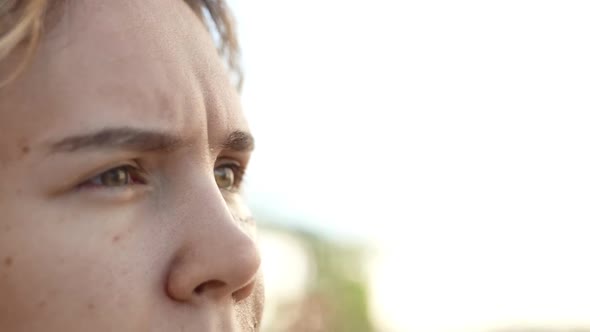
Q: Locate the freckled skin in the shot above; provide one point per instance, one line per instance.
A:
(175, 253)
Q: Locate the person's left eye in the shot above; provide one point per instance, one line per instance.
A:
(228, 176)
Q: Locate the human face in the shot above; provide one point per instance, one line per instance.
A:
(121, 149)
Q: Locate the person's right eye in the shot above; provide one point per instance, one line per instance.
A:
(119, 176)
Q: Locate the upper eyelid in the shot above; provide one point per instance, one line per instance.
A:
(241, 164)
(225, 159)
(111, 168)
(237, 165)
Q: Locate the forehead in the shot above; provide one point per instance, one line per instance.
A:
(116, 63)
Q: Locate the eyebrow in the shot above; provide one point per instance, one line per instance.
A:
(119, 138)
(239, 141)
(142, 140)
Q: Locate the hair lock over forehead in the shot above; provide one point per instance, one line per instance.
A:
(22, 23)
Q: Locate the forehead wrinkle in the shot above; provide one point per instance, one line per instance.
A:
(168, 86)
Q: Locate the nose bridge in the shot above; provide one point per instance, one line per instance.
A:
(216, 257)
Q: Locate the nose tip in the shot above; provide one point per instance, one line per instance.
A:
(215, 267)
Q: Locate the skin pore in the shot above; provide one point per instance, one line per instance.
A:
(122, 148)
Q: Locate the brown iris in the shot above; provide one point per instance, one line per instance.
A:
(225, 177)
(116, 177)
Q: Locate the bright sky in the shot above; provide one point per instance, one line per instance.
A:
(453, 135)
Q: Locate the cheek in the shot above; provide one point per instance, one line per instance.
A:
(249, 311)
(55, 262)
(241, 214)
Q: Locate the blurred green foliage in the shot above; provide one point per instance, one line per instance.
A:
(337, 298)
(341, 279)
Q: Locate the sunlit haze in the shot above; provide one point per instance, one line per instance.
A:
(453, 136)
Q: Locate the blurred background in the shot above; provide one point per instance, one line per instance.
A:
(420, 165)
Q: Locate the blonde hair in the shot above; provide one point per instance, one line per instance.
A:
(22, 23)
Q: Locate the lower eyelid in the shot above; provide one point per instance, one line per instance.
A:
(114, 195)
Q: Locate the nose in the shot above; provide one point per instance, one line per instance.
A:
(217, 258)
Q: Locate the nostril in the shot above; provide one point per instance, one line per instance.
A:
(209, 285)
(244, 292)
